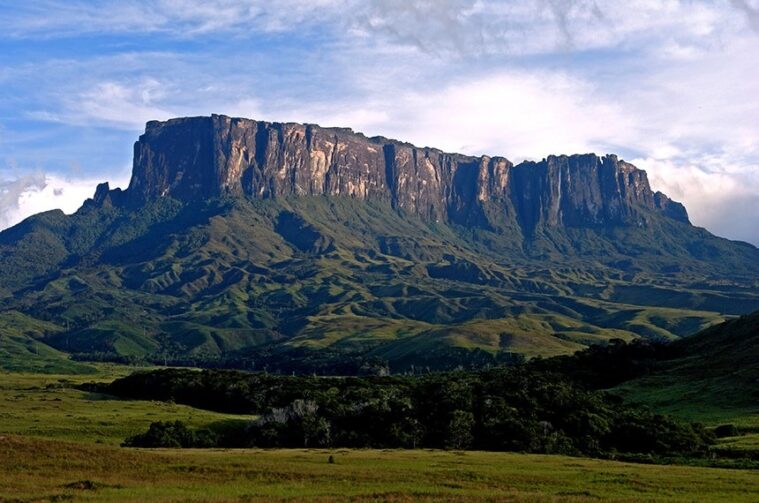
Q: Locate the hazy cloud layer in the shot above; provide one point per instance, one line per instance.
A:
(750, 10)
(38, 192)
(11, 192)
(669, 84)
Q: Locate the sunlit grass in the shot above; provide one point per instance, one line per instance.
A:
(54, 469)
(49, 406)
(59, 443)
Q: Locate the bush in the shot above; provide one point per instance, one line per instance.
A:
(172, 434)
(726, 430)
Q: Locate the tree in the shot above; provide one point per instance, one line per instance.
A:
(459, 432)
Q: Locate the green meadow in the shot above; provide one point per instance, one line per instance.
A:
(56, 471)
(47, 406)
(58, 443)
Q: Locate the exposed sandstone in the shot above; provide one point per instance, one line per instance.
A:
(204, 157)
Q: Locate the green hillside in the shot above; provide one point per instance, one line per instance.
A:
(256, 280)
(713, 379)
(21, 348)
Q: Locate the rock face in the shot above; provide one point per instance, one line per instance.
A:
(585, 190)
(203, 157)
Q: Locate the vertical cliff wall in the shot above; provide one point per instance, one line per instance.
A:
(203, 157)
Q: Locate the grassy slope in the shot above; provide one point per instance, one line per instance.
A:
(21, 348)
(208, 281)
(714, 382)
(716, 375)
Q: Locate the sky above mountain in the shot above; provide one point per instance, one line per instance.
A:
(671, 86)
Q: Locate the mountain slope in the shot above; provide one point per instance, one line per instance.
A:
(251, 240)
(714, 377)
(21, 348)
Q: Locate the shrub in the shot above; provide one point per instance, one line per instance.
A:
(172, 434)
(726, 430)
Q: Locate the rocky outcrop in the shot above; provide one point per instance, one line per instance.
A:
(586, 190)
(105, 197)
(204, 157)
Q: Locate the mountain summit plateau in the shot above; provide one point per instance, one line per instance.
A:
(205, 157)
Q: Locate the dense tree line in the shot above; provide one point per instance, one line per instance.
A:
(597, 367)
(605, 366)
(518, 408)
(278, 360)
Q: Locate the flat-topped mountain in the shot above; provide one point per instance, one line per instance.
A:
(297, 247)
(204, 157)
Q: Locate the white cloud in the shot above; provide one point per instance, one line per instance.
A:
(121, 105)
(517, 114)
(718, 200)
(34, 193)
(441, 27)
(181, 18)
(750, 9)
(10, 192)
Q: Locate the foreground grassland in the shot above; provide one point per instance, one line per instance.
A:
(56, 471)
(58, 443)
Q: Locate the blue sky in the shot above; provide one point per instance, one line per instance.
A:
(670, 85)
